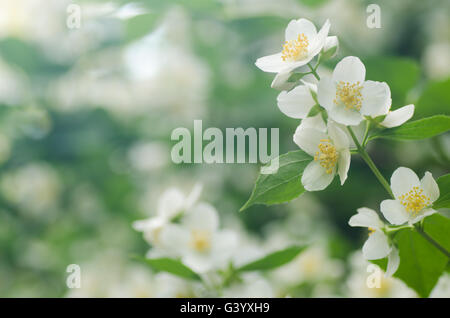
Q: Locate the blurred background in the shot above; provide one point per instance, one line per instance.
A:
(86, 116)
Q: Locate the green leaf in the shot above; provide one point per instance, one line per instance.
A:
(444, 188)
(438, 227)
(421, 263)
(273, 260)
(400, 73)
(419, 129)
(435, 99)
(171, 266)
(283, 185)
(28, 57)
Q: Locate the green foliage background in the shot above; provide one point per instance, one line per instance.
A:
(86, 146)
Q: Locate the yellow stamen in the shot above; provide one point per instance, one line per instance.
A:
(349, 95)
(371, 230)
(200, 240)
(414, 201)
(327, 155)
(294, 50)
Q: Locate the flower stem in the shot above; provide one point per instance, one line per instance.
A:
(363, 153)
(313, 72)
(431, 240)
(366, 134)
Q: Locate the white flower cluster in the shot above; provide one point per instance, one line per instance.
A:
(344, 99)
(187, 229)
(331, 108)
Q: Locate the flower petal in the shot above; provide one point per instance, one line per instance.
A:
(349, 69)
(376, 98)
(343, 164)
(326, 93)
(398, 116)
(224, 245)
(330, 47)
(342, 115)
(200, 263)
(308, 139)
(430, 187)
(358, 130)
(319, 41)
(376, 246)
(281, 83)
(193, 197)
(393, 262)
(171, 203)
(296, 27)
(394, 212)
(315, 178)
(366, 218)
(314, 122)
(403, 180)
(291, 66)
(424, 213)
(202, 216)
(339, 138)
(296, 103)
(272, 63)
(174, 238)
(149, 225)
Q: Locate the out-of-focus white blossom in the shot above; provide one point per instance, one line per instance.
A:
(198, 240)
(436, 60)
(312, 265)
(172, 203)
(34, 187)
(253, 285)
(389, 287)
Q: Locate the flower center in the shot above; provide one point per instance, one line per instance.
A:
(200, 240)
(349, 95)
(371, 230)
(414, 201)
(294, 50)
(327, 155)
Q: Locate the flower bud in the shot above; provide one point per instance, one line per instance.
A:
(280, 82)
(330, 48)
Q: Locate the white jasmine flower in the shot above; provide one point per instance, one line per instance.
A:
(172, 203)
(377, 245)
(198, 240)
(348, 97)
(330, 148)
(413, 197)
(302, 44)
(398, 117)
